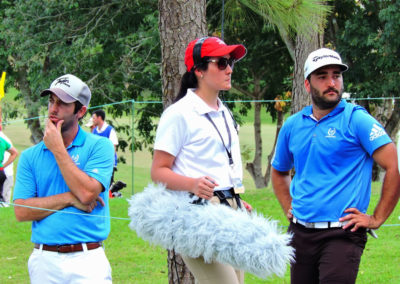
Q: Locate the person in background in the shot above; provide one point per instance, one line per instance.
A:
(196, 150)
(102, 128)
(68, 175)
(8, 171)
(331, 145)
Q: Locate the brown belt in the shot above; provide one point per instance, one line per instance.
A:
(69, 248)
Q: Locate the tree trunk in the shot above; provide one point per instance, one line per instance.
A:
(180, 22)
(279, 123)
(304, 45)
(31, 106)
(255, 167)
(392, 124)
(178, 272)
(388, 114)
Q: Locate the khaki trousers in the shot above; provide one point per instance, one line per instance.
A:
(214, 273)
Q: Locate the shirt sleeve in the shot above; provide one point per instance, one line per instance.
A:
(369, 131)
(283, 158)
(171, 132)
(113, 137)
(101, 162)
(25, 186)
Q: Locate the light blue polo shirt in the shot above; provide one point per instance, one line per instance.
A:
(332, 158)
(38, 175)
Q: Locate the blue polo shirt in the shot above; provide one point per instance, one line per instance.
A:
(332, 158)
(106, 133)
(38, 175)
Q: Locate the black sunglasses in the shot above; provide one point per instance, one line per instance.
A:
(223, 62)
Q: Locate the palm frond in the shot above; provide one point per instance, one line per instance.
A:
(300, 16)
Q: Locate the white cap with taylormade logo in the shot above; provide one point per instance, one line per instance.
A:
(69, 89)
(322, 57)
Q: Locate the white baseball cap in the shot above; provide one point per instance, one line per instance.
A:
(69, 89)
(322, 57)
(90, 122)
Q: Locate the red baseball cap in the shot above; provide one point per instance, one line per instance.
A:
(213, 47)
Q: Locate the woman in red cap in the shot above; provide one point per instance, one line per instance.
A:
(197, 149)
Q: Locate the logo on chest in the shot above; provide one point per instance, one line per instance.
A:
(75, 159)
(331, 133)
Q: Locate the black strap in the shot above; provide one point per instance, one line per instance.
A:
(197, 50)
(228, 150)
(222, 197)
(237, 197)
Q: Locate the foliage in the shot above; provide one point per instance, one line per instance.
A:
(287, 15)
(367, 38)
(112, 45)
(266, 63)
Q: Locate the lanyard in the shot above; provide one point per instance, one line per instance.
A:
(228, 151)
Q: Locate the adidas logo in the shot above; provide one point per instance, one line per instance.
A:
(376, 132)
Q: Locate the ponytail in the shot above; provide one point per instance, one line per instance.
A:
(189, 79)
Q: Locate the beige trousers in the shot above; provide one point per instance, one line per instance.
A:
(214, 273)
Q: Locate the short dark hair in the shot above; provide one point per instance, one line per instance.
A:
(100, 113)
(189, 79)
(78, 106)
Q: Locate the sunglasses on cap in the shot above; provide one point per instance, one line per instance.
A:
(223, 62)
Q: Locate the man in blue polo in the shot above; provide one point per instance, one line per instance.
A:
(331, 145)
(66, 174)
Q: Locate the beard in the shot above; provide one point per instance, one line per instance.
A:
(320, 101)
(67, 124)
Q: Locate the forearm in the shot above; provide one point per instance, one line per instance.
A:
(281, 186)
(10, 160)
(84, 187)
(172, 180)
(386, 157)
(389, 196)
(13, 154)
(54, 202)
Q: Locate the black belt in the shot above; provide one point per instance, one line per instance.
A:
(228, 193)
(69, 248)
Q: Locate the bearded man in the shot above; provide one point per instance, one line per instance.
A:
(331, 145)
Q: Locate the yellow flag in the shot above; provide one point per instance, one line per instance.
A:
(2, 81)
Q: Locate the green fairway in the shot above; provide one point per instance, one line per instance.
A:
(135, 261)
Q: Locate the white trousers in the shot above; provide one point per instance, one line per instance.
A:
(7, 186)
(89, 266)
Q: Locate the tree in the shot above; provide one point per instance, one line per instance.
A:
(372, 53)
(365, 33)
(179, 23)
(112, 45)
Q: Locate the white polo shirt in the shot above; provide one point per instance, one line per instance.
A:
(185, 132)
